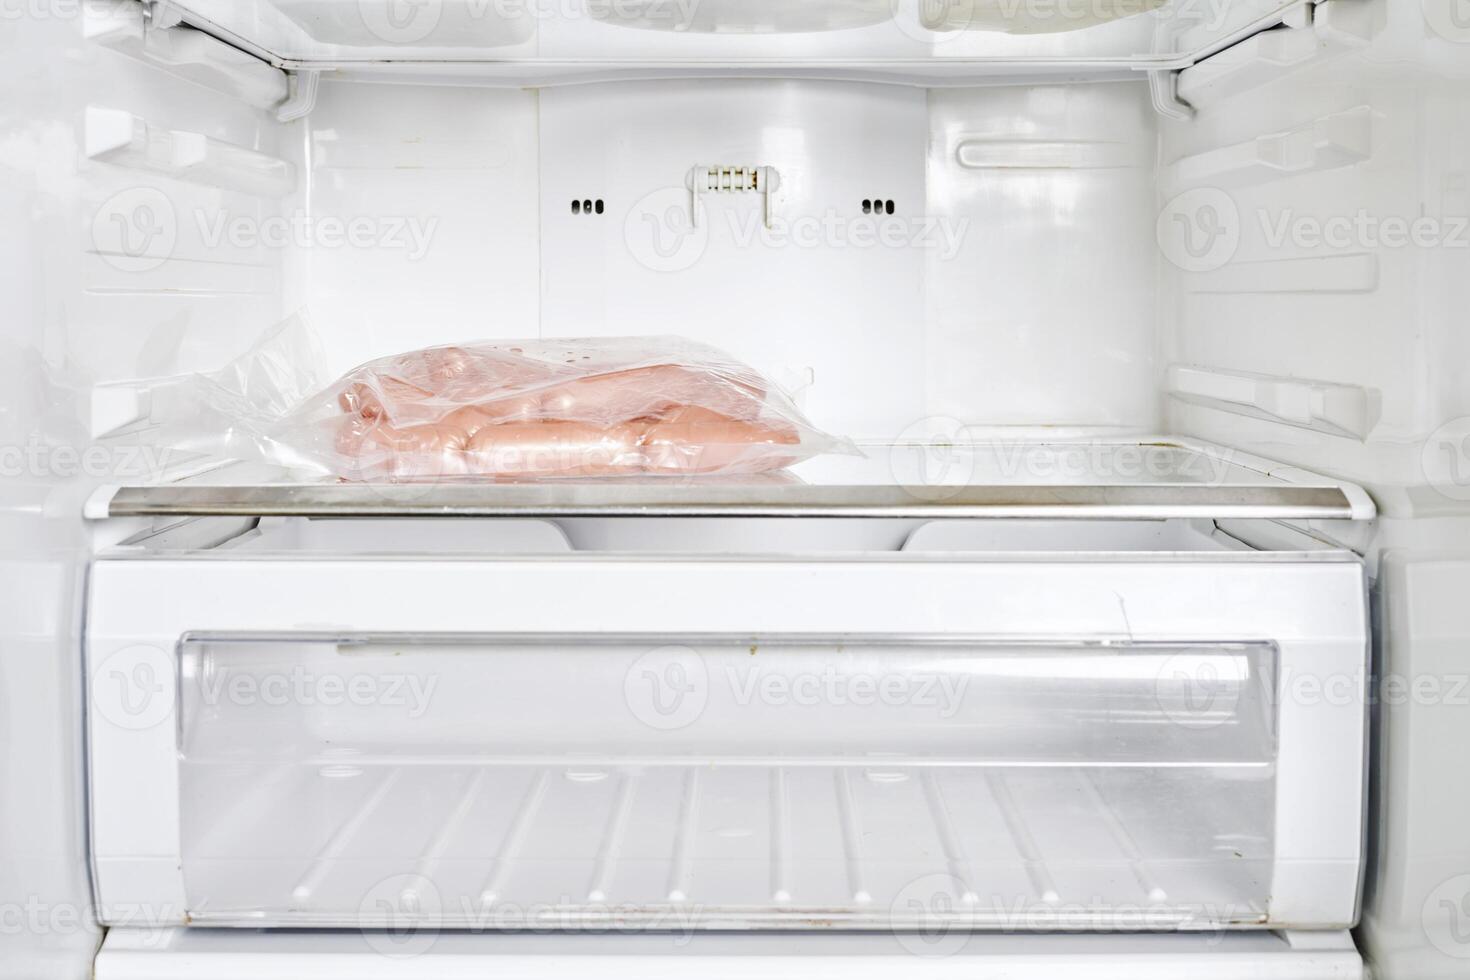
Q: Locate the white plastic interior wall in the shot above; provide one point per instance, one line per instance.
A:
(1064, 267)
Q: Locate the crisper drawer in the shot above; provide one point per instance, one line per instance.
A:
(1113, 742)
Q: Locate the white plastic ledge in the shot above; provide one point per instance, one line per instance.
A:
(201, 954)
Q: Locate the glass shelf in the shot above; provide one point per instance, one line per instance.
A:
(1136, 479)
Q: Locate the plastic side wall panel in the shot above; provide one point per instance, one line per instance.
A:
(1416, 926)
(104, 276)
(1313, 237)
(1313, 610)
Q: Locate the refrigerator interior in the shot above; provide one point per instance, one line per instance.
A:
(1277, 273)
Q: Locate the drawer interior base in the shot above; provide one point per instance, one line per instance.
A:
(701, 846)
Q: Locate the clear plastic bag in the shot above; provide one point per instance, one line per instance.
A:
(516, 410)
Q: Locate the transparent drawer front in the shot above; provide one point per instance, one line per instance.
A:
(718, 782)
